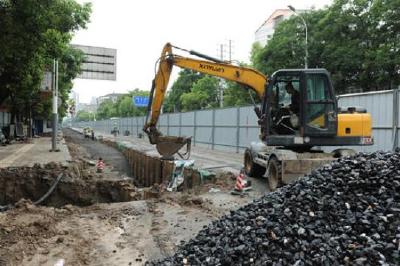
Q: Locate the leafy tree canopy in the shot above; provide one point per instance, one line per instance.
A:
(32, 33)
(183, 84)
(357, 41)
(123, 107)
(82, 115)
(203, 95)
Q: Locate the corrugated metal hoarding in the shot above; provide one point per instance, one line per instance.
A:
(235, 128)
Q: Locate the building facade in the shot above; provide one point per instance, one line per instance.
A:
(265, 32)
(112, 96)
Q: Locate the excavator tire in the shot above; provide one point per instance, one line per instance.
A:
(252, 169)
(274, 173)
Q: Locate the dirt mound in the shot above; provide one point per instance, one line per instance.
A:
(38, 235)
(38, 223)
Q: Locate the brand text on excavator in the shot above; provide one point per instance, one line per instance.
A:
(212, 68)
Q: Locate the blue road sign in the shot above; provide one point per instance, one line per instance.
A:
(140, 101)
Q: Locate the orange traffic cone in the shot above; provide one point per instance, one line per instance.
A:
(240, 183)
(100, 165)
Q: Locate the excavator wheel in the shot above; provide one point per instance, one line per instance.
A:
(274, 173)
(252, 169)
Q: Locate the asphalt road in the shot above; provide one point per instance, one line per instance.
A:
(96, 149)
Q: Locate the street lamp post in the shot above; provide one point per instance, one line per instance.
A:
(305, 26)
(55, 107)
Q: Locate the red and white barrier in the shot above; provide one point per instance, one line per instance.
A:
(100, 166)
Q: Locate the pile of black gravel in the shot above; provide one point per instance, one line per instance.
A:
(347, 213)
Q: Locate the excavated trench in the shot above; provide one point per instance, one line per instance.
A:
(77, 186)
(80, 184)
(146, 169)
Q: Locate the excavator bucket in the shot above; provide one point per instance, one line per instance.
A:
(167, 146)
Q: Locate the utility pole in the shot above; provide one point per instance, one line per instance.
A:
(305, 27)
(221, 89)
(230, 50)
(55, 107)
(221, 81)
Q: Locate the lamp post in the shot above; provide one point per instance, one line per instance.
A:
(55, 107)
(305, 26)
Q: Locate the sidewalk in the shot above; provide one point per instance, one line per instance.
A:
(27, 154)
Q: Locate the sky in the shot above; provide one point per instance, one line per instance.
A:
(139, 30)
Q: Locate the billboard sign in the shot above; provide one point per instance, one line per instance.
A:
(99, 63)
(140, 101)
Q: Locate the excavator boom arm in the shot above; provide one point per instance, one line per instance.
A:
(248, 77)
(245, 76)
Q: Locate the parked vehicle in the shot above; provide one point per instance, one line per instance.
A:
(87, 132)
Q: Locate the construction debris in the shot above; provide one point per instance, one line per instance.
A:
(345, 213)
(177, 177)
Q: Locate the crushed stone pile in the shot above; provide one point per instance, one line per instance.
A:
(345, 213)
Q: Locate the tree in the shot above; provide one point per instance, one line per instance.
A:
(344, 43)
(123, 107)
(357, 41)
(203, 95)
(383, 59)
(237, 95)
(106, 110)
(82, 115)
(362, 47)
(32, 33)
(183, 84)
(126, 108)
(286, 47)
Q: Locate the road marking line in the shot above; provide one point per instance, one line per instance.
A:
(6, 162)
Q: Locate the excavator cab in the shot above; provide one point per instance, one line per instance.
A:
(299, 106)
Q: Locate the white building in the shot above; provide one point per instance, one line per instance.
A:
(75, 97)
(93, 100)
(112, 96)
(264, 33)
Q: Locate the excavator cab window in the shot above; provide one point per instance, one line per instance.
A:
(319, 105)
(285, 105)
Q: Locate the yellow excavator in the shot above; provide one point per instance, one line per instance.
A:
(298, 114)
